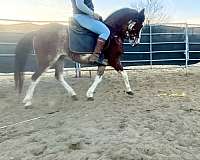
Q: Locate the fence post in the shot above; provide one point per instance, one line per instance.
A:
(187, 52)
(78, 69)
(150, 45)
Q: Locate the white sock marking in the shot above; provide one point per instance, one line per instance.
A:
(90, 92)
(66, 85)
(126, 80)
(30, 91)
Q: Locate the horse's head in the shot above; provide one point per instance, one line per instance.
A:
(134, 29)
(127, 23)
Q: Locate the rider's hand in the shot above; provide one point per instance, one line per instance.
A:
(97, 16)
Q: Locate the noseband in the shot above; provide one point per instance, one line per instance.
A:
(131, 25)
(132, 38)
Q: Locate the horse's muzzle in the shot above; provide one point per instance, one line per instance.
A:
(134, 42)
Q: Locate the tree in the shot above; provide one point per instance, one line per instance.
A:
(155, 10)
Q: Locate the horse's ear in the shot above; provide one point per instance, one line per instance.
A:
(142, 11)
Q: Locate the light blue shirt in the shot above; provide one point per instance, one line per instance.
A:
(81, 5)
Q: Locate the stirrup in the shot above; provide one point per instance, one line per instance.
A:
(93, 58)
(97, 59)
(103, 62)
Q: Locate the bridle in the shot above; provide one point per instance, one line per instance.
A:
(131, 25)
(133, 39)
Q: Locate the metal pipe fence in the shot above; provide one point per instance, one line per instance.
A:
(151, 52)
(184, 30)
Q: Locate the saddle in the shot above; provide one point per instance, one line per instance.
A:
(81, 40)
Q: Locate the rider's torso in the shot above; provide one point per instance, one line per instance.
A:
(88, 3)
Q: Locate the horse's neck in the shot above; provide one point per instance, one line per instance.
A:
(118, 31)
(118, 21)
(117, 25)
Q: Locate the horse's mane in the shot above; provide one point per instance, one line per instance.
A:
(122, 16)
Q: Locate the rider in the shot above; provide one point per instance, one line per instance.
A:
(83, 12)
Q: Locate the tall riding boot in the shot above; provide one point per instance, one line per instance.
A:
(95, 57)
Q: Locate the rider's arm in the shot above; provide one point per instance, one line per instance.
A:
(81, 5)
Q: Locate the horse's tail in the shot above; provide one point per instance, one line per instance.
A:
(23, 48)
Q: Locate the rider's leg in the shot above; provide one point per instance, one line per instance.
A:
(95, 57)
(99, 28)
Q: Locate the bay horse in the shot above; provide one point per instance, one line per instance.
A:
(51, 46)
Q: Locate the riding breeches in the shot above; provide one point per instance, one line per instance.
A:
(93, 25)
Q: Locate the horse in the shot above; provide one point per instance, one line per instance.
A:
(51, 46)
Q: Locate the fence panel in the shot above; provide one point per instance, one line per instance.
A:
(161, 44)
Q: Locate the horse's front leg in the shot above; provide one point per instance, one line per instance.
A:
(116, 64)
(98, 79)
(126, 81)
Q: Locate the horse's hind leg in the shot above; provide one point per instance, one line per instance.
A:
(59, 76)
(98, 79)
(43, 65)
(35, 80)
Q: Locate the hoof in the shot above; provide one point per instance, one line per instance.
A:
(74, 98)
(26, 100)
(130, 93)
(90, 99)
(28, 105)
